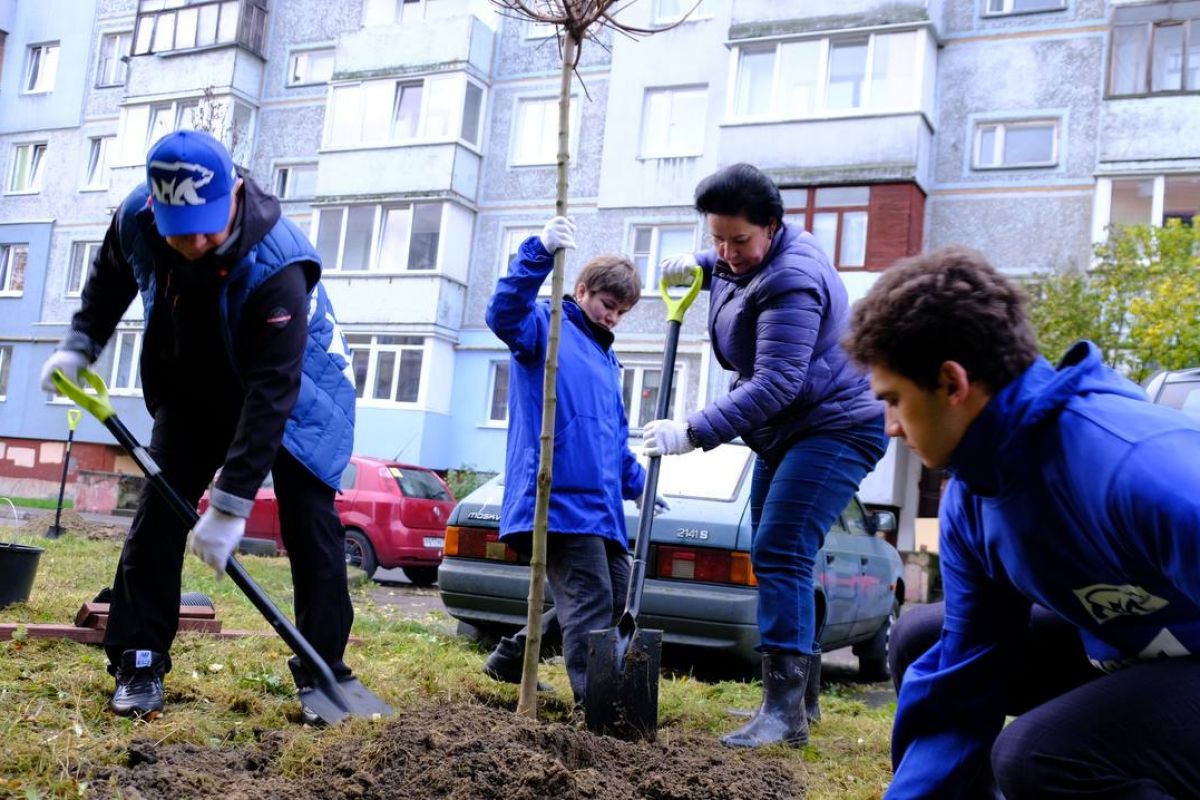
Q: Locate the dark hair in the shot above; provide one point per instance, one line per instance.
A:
(614, 274)
(948, 305)
(740, 190)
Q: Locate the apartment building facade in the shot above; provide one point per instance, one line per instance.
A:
(414, 140)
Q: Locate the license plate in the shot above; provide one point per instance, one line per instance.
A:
(433, 542)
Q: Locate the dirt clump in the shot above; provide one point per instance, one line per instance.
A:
(465, 752)
(73, 524)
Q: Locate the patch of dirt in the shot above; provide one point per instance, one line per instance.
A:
(73, 524)
(465, 752)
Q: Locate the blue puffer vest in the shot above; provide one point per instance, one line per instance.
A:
(320, 429)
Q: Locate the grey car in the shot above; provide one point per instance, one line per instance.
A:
(700, 589)
(1178, 388)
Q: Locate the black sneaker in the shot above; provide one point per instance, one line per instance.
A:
(139, 685)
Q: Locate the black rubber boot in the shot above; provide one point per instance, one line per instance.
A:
(781, 716)
(812, 690)
(139, 684)
(507, 662)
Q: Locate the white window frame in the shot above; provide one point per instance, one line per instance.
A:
(122, 338)
(374, 349)
(37, 167)
(1001, 128)
(40, 53)
(288, 167)
(516, 158)
(6, 272)
(118, 67)
(510, 243)
(1004, 8)
(400, 11)
(305, 52)
(703, 11)
(673, 150)
(493, 370)
(775, 110)
(376, 241)
(655, 255)
(639, 368)
(98, 180)
(457, 83)
(82, 255)
(1102, 207)
(6, 352)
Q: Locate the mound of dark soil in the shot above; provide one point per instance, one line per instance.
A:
(464, 752)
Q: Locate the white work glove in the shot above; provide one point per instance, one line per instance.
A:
(660, 504)
(559, 232)
(678, 270)
(215, 537)
(69, 361)
(665, 437)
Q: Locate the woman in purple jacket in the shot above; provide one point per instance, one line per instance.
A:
(777, 312)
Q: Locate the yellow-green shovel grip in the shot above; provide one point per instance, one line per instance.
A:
(676, 308)
(98, 404)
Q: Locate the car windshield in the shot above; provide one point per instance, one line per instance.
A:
(707, 475)
(1184, 395)
(419, 484)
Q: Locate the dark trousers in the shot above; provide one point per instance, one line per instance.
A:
(792, 505)
(1133, 734)
(589, 578)
(189, 447)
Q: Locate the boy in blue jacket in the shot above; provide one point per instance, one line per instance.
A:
(587, 562)
(1070, 553)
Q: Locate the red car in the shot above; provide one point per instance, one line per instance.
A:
(395, 516)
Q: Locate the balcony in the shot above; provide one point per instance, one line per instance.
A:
(378, 172)
(1144, 130)
(415, 46)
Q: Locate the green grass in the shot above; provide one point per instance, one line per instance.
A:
(56, 730)
(38, 502)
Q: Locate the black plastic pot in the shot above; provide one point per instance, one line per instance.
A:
(18, 565)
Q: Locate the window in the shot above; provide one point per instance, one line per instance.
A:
(82, 256)
(1155, 57)
(5, 363)
(112, 67)
(818, 76)
(998, 7)
(13, 258)
(386, 112)
(836, 216)
(653, 243)
(667, 12)
(535, 141)
(349, 477)
(163, 26)
(380, 238)
(389, 12)
(25, 175)
(96, 171)
(387, 368)
(168, 117)
(855, 519)
(41, 68)
(498, 402)
(1151, 200)
(640, 385)
(307, 67)
(295, 181)
(126, 366)
(1000, 145)
(143, 125)
(512, 242)
(673, 122)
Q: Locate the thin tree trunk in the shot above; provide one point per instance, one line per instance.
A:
(527, 704)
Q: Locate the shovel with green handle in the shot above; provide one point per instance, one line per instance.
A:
(622, 671)
(330, 699)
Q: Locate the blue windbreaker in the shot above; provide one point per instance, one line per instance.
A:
(594, 469)
(1072, 491)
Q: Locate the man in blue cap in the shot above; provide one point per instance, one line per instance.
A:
(244, 369)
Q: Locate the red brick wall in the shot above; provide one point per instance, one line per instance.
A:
(14, 462)
(896, 220)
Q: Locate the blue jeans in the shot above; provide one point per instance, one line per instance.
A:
(792, 504)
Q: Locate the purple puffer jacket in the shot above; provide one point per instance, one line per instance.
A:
(778, 329)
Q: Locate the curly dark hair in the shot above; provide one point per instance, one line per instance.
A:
(947, 305)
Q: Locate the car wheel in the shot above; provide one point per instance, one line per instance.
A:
(421, 576)
(873, 657)
(359, 552)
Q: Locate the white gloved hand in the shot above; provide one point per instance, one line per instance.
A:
(665, 437)
(678, 270)
(660, 504)
(215, 537)
(559, 232)
(69, 361)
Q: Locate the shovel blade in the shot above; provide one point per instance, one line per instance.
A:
(622, 683)
(343, 699)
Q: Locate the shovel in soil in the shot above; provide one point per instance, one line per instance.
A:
(331, 700)
(621, 698)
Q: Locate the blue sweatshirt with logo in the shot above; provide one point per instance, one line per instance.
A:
(1072, 491)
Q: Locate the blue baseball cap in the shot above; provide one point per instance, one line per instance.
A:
(191, 179)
